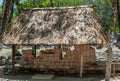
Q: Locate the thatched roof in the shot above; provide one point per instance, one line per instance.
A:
(71, 25)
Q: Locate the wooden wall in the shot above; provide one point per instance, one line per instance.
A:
(52, 59)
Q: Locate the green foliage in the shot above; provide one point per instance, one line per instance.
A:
(0, 10)
(104, 9)
(47, 3)
(117, 27)
(30, 4)
(105, 3)
(58, 3)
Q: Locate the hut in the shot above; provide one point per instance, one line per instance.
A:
(78, 27)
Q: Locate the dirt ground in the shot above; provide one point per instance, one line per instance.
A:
(29, 78)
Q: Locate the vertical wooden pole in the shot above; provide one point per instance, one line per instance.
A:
(13, 58)
(81, 63)
(59, 46)
(34, 49)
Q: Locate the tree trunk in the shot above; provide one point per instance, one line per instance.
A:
(3, 22)
(109, 56)
(18, 6)
(7, 10)
(51, 2)
(13, 58)
(118, 14)
(34, 3)
(10, 12)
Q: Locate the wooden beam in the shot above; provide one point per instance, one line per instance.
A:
(13, 58)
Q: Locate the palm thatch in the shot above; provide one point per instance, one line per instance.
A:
(70, 25)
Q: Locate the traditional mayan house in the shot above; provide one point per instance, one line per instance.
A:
(78, 27)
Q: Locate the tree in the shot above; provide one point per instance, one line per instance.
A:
(7, 11)
(51, 1)
(109, 56)
(118, 13)
(18, 6)
(0, 10)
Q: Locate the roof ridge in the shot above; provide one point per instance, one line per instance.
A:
(55, 8)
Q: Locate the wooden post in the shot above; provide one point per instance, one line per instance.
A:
(13, 58)
(59, 46)
(81, 63)
(34, 49)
